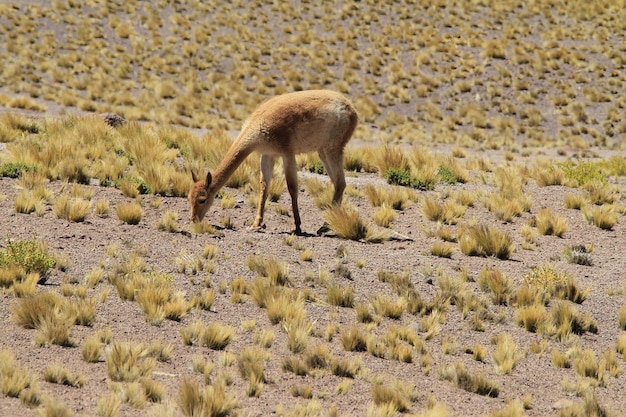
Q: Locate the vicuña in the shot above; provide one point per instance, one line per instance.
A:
(283, 126)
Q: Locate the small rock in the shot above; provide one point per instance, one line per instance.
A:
(113, 120)
(562, 403)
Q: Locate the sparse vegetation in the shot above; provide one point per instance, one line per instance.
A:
(603, 216)
(579, 254)
(130, 213)
(506, 355)
(31, 256)
(549, 224)
(216, 336)
(168, 222)
(347, 223)
(57, 374)
(500, 286)
(72, 209)
(476, 383)
(484, 240)
(212, 400)
(482, 127)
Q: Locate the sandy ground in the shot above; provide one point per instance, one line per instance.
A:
(104, 242)
(85, 245)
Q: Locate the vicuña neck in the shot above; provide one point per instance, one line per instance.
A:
(234, 157)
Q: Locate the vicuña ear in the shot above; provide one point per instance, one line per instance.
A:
(209, 178)
(193, 176)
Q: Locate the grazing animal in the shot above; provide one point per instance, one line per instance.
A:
(283, 126)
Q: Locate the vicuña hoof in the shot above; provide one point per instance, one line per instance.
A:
(323, 230)
(256, 228)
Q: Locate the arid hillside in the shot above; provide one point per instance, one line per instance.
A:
(475, 267)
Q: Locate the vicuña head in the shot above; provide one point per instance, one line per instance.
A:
(283, 126)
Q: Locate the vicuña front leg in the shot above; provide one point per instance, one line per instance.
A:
(267, 171)
(291, 175)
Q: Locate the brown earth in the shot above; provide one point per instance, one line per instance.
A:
(85, 245)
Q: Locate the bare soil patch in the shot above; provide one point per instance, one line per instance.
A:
(513, 109)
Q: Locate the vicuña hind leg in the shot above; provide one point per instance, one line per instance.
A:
(291, 175)
(333, 162)
(267, 171)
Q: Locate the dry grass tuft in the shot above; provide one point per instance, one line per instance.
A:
(533, 318)
(484, 240)
(384, 216)
(271, 268)
(298, 332)
(130, 213)
(589, 407)
(500, 286)
(212, 400)
(574, 201)
(442, 250)
(353, 340)
(399, 395)
(386, 307)
(91, 349)
(58, 374)
(128, 362)
(70, 208)
(548, 280)
(569, 321)
(16, 381)
(548, 223)
(340, 296)
(216, 336)
(251, 364)
(603, 217)
(449, 212)
(50, 314)
(346, 222)
(168, 222)
(469, 381)
(506, 356)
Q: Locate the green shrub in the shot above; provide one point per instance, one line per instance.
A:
(30, 255)
(446, 175)
(317, 167)
(617, 166)
(398, 176)
(557, 284)
(583, 172)
(139, 183)
(15, 169)
(402, 176)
